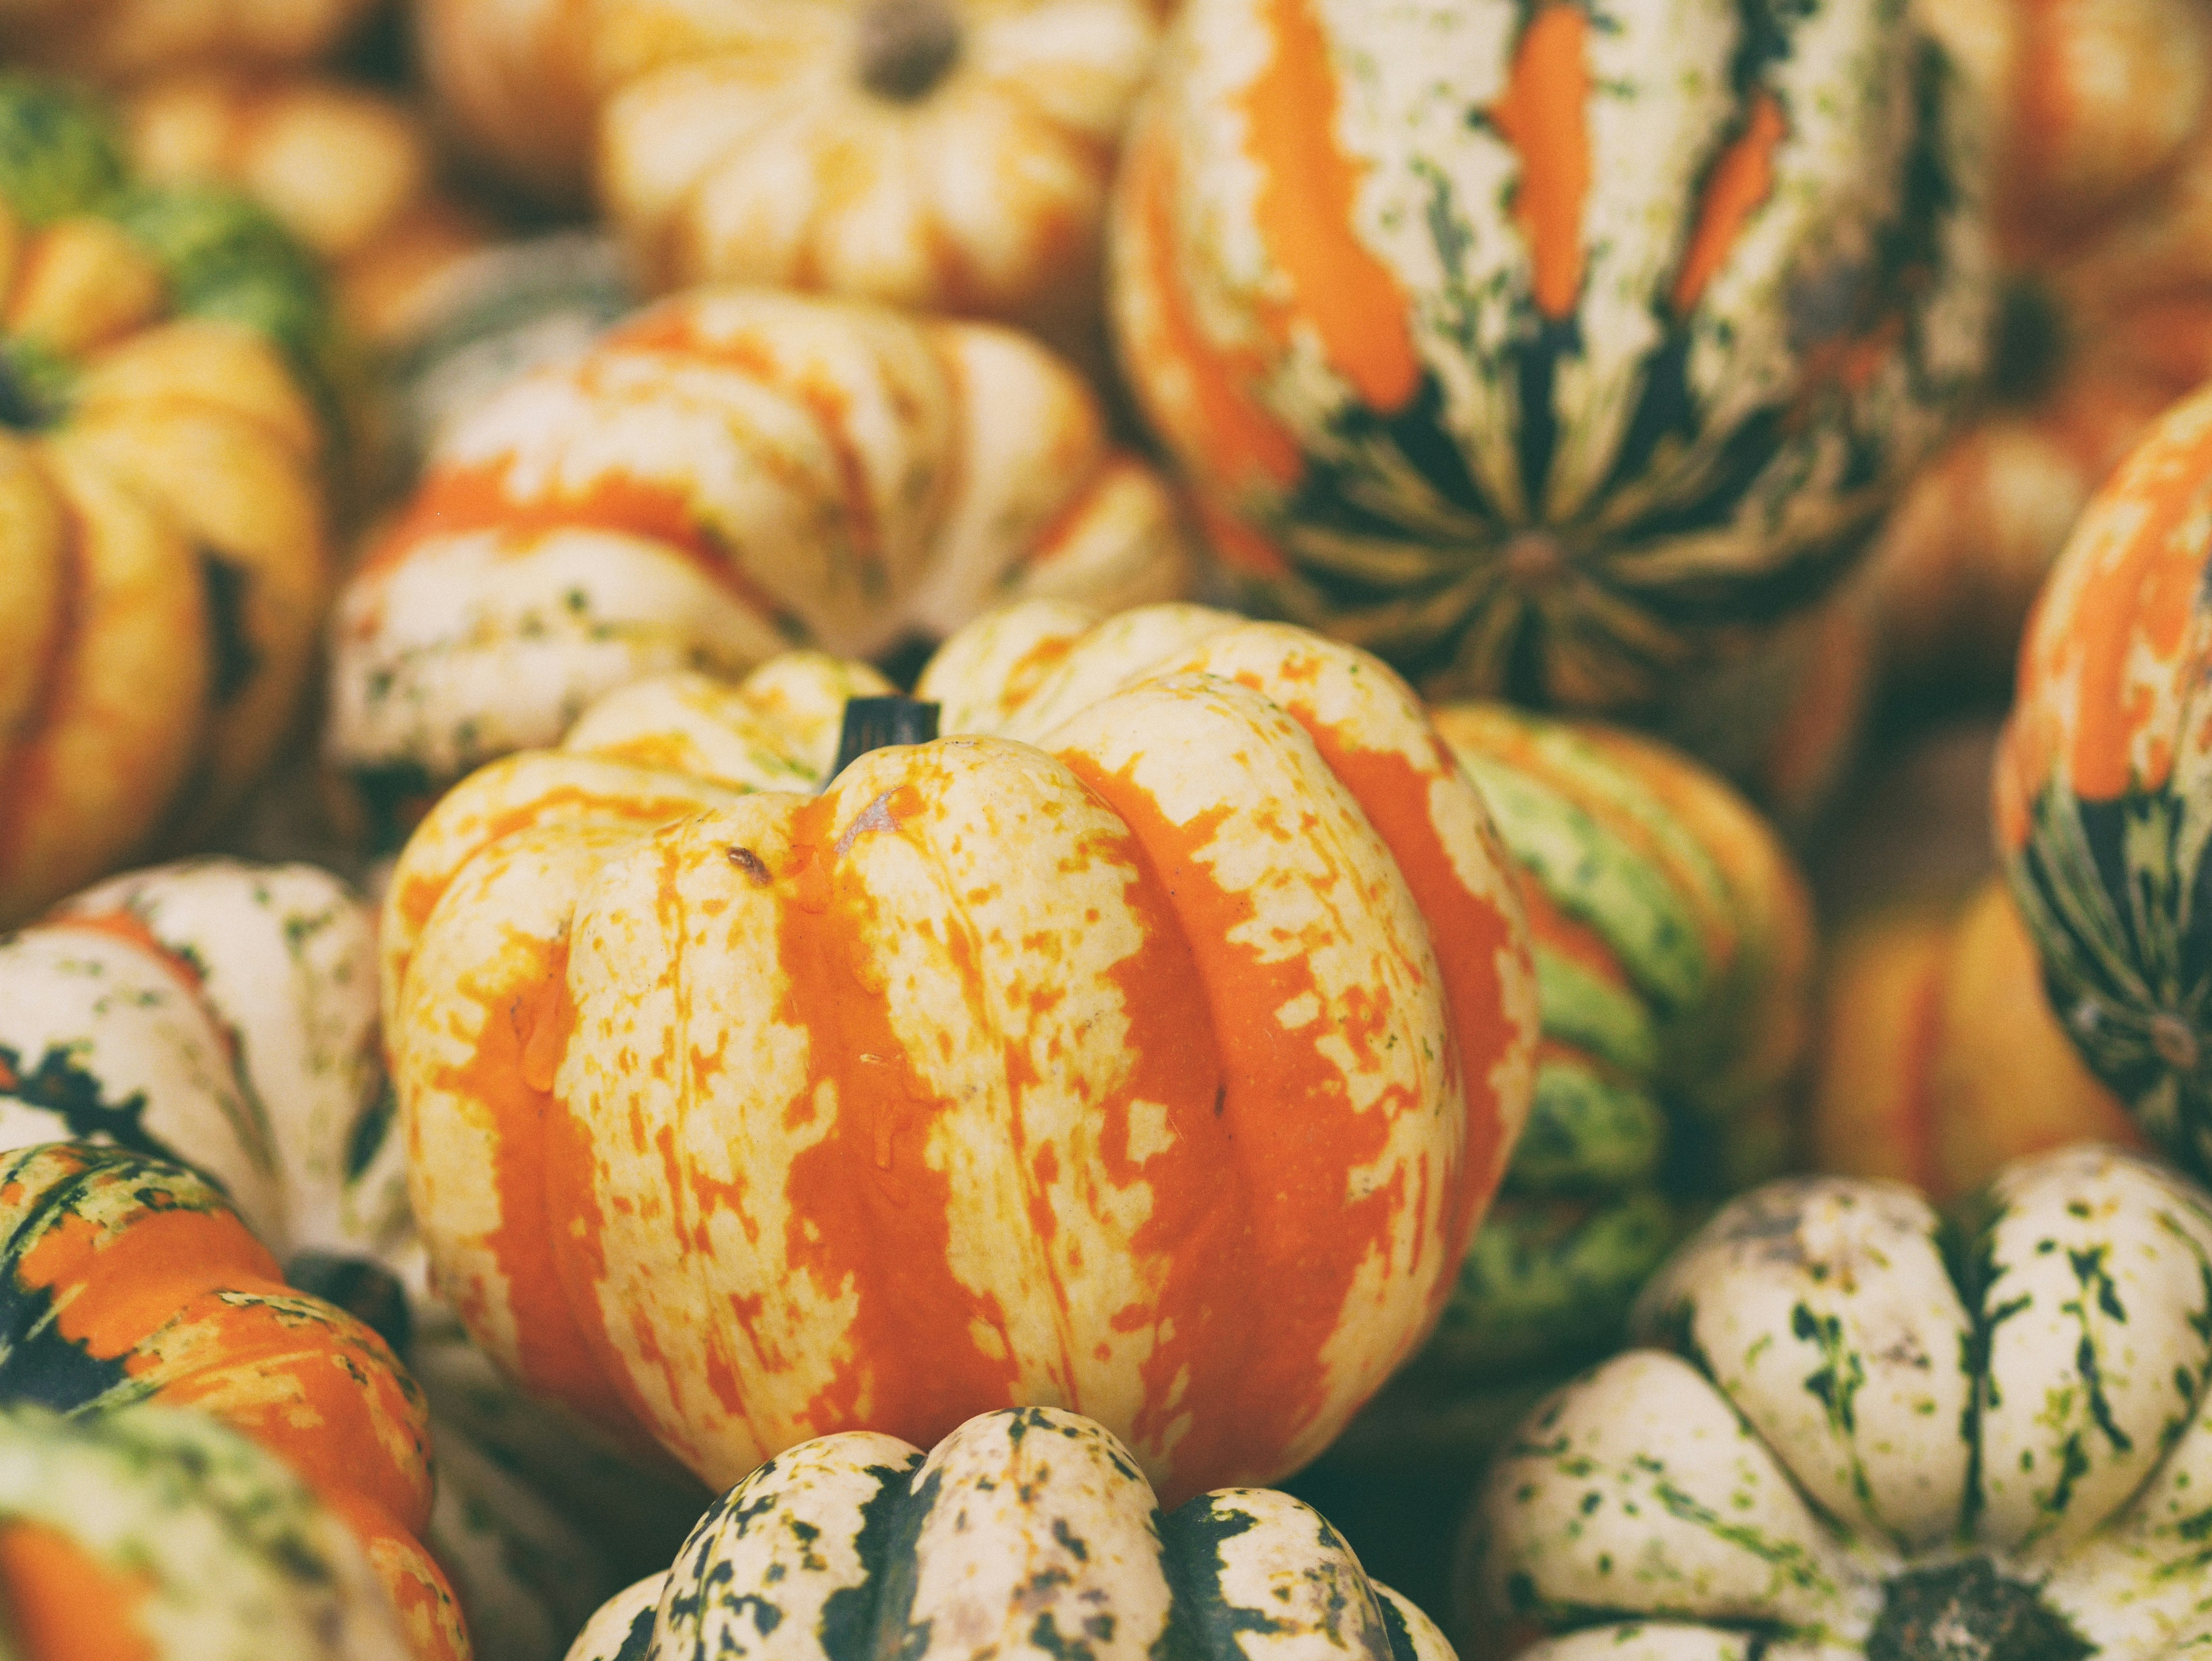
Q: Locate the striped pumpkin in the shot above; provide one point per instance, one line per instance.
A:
(948, 155)
(149, 1533)
(165, 412)
(1673, 950)
(1546, 350)
(2102, 797)
(724, 475)
(988, 1074)
(124, 1279)
(1854, 1442)
(1027, 1533)
(2103, 196)
(1939, 1060)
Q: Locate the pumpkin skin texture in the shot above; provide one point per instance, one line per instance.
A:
(163, 559)
(148, 1533)
(2099, 787)
(2024, 1450)
(724, 475)
(1032, 1525)
(127, 1279)
(937, 154)
(1041, 1102)
(1566, 372)
(2102, 196)
(1939, 1060)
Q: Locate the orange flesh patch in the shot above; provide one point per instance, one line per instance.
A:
(866, 1210)
(1543, 115)
(509, 1077)
(1308, 195)
(1295, 1137)
(1741, 180)
(65, 1604)
(1219, 420)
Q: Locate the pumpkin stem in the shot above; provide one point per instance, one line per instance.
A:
(1967, 1611)
(907, 47)
(873, 723)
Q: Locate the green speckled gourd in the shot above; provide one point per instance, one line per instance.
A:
(1856, 1432)
(1028, 1534)
(1551, 348)
(149, 1533)
(1673, 946)
(169, 390)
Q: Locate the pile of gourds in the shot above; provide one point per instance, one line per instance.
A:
(833, 827)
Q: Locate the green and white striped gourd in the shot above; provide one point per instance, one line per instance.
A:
(1028, 1534)
(1548, 348)
(1860, 1433)
(152, 1533)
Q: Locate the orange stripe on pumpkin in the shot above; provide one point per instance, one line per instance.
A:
(1741, 180)
(1544, 116)
(1306, 200)
(65, 1603)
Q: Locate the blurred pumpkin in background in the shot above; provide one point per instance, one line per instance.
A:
(2103, 209)
(945, 155)
(168, 409)
(727, 474)
(1549, 356)
(120, 40)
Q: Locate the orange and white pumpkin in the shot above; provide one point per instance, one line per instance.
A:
(1150, 1046)
(725, 475)
(947, 154)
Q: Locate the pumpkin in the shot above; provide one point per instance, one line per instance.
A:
(150, 1532)
(2101, 801)
(112, 40)
(1843, 1439)
(126, 1279)
(1029, 1531)
(2102, 201)
(163, 559)
(1674, 944)
(998, 1071)
(940, 154)
(723, 476)
(223, 1015)
(349, 169)
(1939, 1060)
(1547, 353)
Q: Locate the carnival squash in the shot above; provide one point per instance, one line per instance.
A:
(1002, 1070)
(2102, 211)
(1852, 1435)
(1025, 1532)
(1938, 1059)
(725, 475)
(1545, 351)
(163, 561)
(126, 1279)
(2101, 799)
(150, 1533)
(118, 40)
(945, 155)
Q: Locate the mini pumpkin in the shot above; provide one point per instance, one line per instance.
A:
(1844, 1439)
(725, 475)
(998, 1071)
(160, 1533)
(1025, 1532)
(939, 153)
(2101, 798)
(1547, 352)
(126, 1280)
(163, 557)
(2102, 201)
(1939, 1060)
